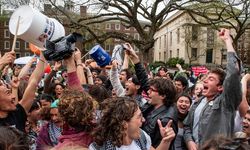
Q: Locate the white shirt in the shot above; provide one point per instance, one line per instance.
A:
(132, 146)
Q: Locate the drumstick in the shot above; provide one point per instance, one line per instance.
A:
(14, 41)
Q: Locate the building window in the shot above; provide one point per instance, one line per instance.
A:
(165, 56)
(160, 43)
(127, 29)
(209, 56)
(6, 23)
(136, 36)
(27, 54)
(194, 32)
(107, 47)
(171, 38)
(117, 26)
(108, 26)
(159, 55)
(194, 53)
(18, 55)
(178, 35)
(128, 34)
(26, 44)
(178, 53)
(6, 44)
(210, 37)
(97, 26)
(165, 41)
(6, 33)
(170, 53)
(17, 45)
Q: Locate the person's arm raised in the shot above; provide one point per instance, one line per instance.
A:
(25, 70)
(79, 67)
(73, 80)
(35, 78)
(6, 59)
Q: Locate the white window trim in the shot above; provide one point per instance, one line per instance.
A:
(19, 45)
(5, 43)
(27, 54)
(136, 36)
(108, 26)
(5, 23)
(26, 45)
(127, 29)
(5, 35)
(18, 53)
(119, 26)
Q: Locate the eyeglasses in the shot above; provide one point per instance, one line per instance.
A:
(151, 89)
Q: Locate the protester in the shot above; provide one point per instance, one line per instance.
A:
(33, 121)
(132, 85)
(183, 104)
(181, 84)
(13, 139)
(214, 113)
(51, 131)
(119, 128)
(10, 113)
(77, 110)
(160, 104)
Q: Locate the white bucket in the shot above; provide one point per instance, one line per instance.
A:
(35, 27)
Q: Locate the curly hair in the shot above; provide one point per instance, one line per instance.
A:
(115, 112)
(12, 139)
(165, 88)
(76, 109)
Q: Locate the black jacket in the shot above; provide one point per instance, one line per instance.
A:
(163, 113)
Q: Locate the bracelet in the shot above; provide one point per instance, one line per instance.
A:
(79, 65)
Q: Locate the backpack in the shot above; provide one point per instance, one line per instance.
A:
(142, 143)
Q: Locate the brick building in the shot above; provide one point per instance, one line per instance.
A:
(22, 47)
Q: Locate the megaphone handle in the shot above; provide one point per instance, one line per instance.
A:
(15, 37)
(85, 54)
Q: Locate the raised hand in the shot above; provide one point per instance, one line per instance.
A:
(7, 58)
(131, 53)
(224, 34)
(57, 65)
(167, 132)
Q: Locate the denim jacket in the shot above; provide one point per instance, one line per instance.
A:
(217, 116)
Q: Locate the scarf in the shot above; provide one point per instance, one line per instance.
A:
(54, 133)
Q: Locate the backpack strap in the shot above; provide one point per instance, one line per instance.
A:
(142, 142)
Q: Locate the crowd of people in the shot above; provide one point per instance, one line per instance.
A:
(79, 105)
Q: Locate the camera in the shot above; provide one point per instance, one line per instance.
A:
(61, 48)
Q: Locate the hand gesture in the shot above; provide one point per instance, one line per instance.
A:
(57, 65)
(224, 34)
(15, 82)
(77, 55)
(114, 64)
(167, 132)
(8, 58)
(129, 50)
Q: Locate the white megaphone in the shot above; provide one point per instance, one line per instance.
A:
(35, 27)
